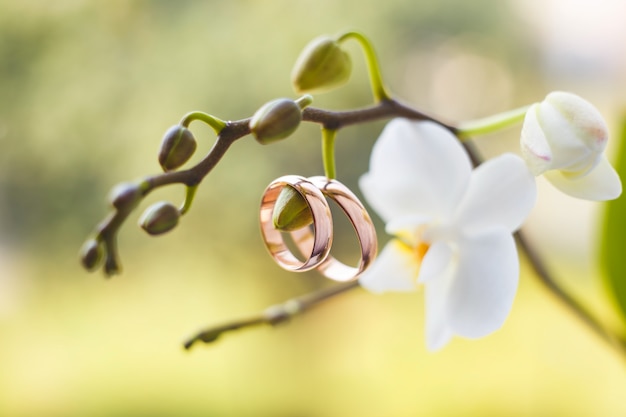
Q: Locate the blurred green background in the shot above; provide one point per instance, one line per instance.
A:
(87, 89)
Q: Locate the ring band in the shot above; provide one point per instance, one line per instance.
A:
(361, 222)
(317, 245)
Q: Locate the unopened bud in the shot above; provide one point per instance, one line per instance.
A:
(125, 196)
(177, 146)
(275, 120)
(564, 138)
(291, 211)
(321, 66)
(91, 254)
(159, 218)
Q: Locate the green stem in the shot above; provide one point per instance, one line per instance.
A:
(328, 152)
(376, 79)
(492, 123)
(189, 195)
(304, 101)
(214, 122)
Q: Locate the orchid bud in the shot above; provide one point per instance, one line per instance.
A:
(91, 254)
(159, 218)
(564, 138)
(177, 146)
(125, 196)
(275, 120)
(323, 65)
(291, 211)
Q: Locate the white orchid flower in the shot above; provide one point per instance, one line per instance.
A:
(564, 138)
(452, 226)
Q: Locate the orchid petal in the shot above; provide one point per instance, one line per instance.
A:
(576, 128)
(534, 144)
(435, 262)
(415, 168)
(395, 269)
(483, 287)
(563, 132)
(438, 333)
(600, 184)
(502, 191)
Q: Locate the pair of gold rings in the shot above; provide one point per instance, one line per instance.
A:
(314, 242)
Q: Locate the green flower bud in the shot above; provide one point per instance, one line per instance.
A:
(177, 146)
(321, 66)
(291, 211)
(275, 120)
(91, 254)
(125, 196)
(159, 218)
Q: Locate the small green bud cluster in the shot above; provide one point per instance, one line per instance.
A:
(159, 218)
(275, 120)
(291, 211)
(177, 146)
(125, 196)
(322, 66)
(91, 254)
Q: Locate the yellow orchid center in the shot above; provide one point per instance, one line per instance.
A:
(420, 251)
(412, 242)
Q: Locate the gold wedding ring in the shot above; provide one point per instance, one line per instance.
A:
(315, 243)
(361, 222)
(318, 242)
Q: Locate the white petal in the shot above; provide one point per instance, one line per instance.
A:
(600, 184)
(395, 269)
(502, 191)
(483, 287)
(415, 168)
(438, 333)
(569, 151)
(534, 145)
(585, 124)
(575, 131)
(435, 263)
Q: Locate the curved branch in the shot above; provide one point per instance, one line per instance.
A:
(274, 315)
(106, 231)
(567, 299)
(387, 109)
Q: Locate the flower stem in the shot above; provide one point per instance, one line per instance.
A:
(190, 193)
(576, 307)
(328, 152)
(214, 122)
(304, 101)
(107, 229)
(492, 123)
(273, 315)
(376, 79)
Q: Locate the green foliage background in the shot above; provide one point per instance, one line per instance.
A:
(87, 88)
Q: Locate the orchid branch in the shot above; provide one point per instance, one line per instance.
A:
(274, 315)
(106, 231)
(567, 299)
(331, 121)
(281, 313)
(105, 235)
